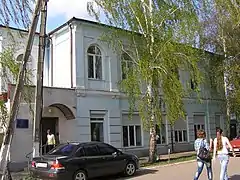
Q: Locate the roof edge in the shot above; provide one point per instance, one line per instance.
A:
(16, 29)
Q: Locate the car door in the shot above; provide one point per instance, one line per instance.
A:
(113, 161)
(93, 161)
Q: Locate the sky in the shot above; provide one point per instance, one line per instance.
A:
(60, 11)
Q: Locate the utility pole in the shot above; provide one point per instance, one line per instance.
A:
(4, 153)
(39, 87)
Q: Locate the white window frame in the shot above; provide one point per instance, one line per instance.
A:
(28, 66)
(180, 130)
(161, 135)
(221, 122)
(135, 139)
(94, 63)
(101, 120)
(127, 62)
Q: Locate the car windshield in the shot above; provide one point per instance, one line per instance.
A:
(63, 150)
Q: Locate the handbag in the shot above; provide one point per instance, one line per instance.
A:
(203, 153)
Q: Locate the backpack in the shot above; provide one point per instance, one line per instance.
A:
(203, 153)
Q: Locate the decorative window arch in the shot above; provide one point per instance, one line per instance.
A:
(28, 72)
(94, 57)
(19, 59)
(126, 64)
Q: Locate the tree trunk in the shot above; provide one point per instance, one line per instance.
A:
(152, 139)
(152, 145)
(4, 153)
(172, 142)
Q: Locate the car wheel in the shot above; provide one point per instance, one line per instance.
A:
(130, 169)
(80, 175)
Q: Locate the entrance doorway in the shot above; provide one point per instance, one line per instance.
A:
(45, 124)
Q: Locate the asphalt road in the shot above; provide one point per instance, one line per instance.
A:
(186, 171)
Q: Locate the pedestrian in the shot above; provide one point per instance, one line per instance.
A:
(202, 146)
(221, 145)
(50, 140)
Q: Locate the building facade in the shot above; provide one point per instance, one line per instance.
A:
(82, 100)
(59, 103)
(94, 70)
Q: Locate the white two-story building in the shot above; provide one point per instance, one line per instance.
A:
(59, 103)
(82, 100)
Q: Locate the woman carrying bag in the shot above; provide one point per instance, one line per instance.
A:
(203, 155)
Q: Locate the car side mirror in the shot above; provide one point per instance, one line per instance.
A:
(115, 154)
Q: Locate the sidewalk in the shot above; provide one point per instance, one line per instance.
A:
(172, 156)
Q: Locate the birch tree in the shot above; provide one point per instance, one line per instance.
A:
(151, 34)
(221, 35)
(11, 15)
(16, 12)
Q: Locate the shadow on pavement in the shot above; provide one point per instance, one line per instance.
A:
(138, 173)
(235, 177)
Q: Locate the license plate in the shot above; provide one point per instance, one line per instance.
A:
(236, 149)
(41, 165)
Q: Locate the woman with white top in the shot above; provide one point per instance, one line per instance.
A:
(221, 145)
(51, 142)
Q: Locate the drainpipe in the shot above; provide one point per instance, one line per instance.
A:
(71, 53)
(51, 60)
(208, 123)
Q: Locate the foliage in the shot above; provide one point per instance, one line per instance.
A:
(159, 38)
(222, 36)
(3, 115)
(157, 60)
(9, 73)
(16, 12)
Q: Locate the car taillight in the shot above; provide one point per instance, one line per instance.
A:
(33, 164)
(57, 165)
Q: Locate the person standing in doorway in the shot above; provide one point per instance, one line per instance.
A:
(221, 145)
(50, 140)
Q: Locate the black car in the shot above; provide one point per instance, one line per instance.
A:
(81, 161)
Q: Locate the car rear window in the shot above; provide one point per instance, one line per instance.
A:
(63, 150)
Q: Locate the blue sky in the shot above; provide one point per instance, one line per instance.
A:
(60, 11)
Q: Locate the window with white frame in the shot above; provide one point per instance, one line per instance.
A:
(161, 134)
(28, 72)
(132, 136)
(180, 136)
(97, 129)
(19, 59)
(126, 64)
(94, 56)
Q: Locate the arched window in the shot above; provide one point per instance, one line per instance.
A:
(94, 56)
(28, 72)
(19, 58)
(126, 64)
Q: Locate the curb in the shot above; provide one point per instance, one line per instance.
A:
(166, 165)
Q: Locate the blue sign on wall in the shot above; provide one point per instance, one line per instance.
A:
(22, 123)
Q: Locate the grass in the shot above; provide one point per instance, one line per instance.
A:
(172, 161)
